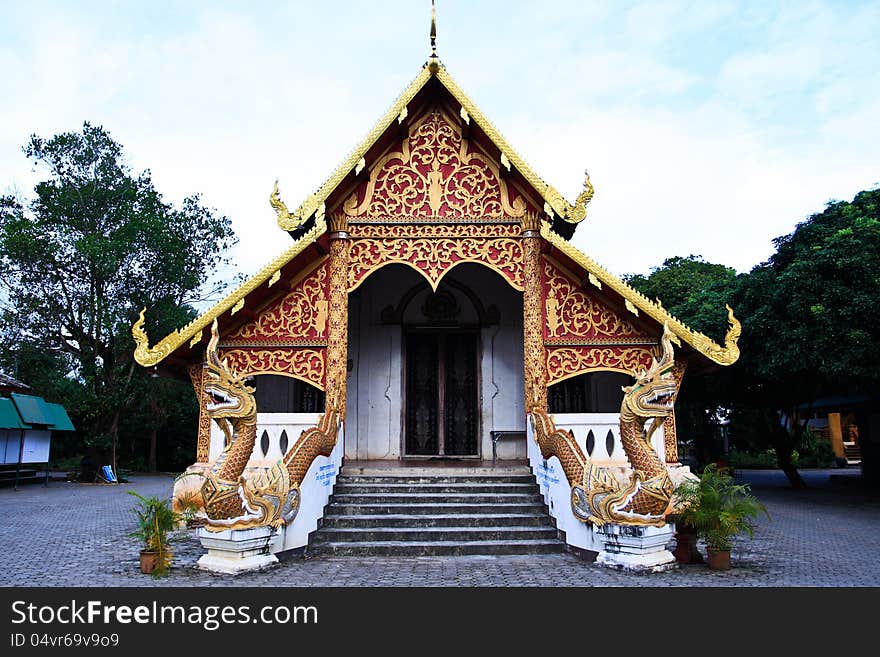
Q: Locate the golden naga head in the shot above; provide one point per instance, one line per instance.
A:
(655, 389)
(228, 396)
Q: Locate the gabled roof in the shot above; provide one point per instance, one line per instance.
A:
(314, 207)
(573, 213)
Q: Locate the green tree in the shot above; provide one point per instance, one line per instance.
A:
(811, 322)
(78, 261)
(696, 292)
(811, 326)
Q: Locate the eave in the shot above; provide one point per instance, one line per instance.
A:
(722, 355)
(194, 331)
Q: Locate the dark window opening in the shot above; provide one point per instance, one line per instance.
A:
(594, 392)
(283, 394)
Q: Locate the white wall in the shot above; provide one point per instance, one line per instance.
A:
(555, 487)
(273, 423)
(375, 381)
(315, 492)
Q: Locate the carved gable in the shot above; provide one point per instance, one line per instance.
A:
(298, 317)
(436, 173)
(575, 315)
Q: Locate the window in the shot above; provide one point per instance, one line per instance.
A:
(283, 394)
(594, 392)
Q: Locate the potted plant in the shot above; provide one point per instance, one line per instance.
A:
(718, 509)
(156, 520)
(685, 542)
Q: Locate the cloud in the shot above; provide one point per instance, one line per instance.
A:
(707, 129)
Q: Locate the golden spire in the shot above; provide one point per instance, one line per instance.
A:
(433, 30)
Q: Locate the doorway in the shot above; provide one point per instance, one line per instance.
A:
(441, 409)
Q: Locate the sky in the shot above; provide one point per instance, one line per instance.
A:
(707, 128)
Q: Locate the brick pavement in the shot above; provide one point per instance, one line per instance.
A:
(76, 535)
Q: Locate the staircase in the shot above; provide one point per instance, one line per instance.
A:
(853, 453)
(435, 512)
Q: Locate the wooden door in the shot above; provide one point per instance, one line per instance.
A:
(442, 400)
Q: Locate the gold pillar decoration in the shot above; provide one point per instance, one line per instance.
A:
(337, 319)
(203, 441)
(535, 364)
(670, 435)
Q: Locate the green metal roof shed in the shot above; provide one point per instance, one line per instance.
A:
(60, 419)
(32, 409)
(9, 417)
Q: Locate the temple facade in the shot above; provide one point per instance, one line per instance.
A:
(431, 306)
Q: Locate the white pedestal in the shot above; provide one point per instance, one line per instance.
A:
(640, 549)
(234, 551)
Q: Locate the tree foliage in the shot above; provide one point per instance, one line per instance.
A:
(95, 244)
(811, 325)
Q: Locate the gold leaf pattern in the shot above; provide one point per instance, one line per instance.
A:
(304, 364)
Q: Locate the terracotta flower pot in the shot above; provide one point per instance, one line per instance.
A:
(719, 559)
(149, 561)
(686, 547)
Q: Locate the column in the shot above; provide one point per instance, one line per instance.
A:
(203, 442)
(535, 362)
(670, 437)
(337, 318)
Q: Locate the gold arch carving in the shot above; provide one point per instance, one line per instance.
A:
(305, 364)
(431, 257)
(567, 362)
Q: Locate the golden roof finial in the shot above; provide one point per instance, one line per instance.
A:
(433, 30)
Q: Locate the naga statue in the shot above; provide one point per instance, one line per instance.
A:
(232, 501)
(599, 495)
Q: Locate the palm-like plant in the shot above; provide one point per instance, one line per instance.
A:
(155, 521)
(718, 508)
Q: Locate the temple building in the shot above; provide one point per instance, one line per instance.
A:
(431, 306)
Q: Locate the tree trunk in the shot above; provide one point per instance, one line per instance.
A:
(152, 458)
(780, 438)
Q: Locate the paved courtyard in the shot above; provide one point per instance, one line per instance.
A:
(76, 535)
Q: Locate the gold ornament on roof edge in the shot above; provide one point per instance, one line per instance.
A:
(289, 221)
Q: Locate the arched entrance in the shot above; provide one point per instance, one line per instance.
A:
(432, 373)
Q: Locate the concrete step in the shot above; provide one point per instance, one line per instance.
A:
(433, 511)
(439, 520)
(345, 488)
(434, 471)
(436, 548)
(355, 508)
(524, 478)
(433, 534)
(432, 498)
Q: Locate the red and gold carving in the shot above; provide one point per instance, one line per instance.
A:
(376, 231)
(301, 363)
(572, 313)
(670, 433)
(337, 327)
(534, 366)
(301, 315)
(203, 442)
(436, 173)
(435, 257)
(566, 362)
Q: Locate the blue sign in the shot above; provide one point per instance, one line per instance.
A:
(546, 474)
(326, 474)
